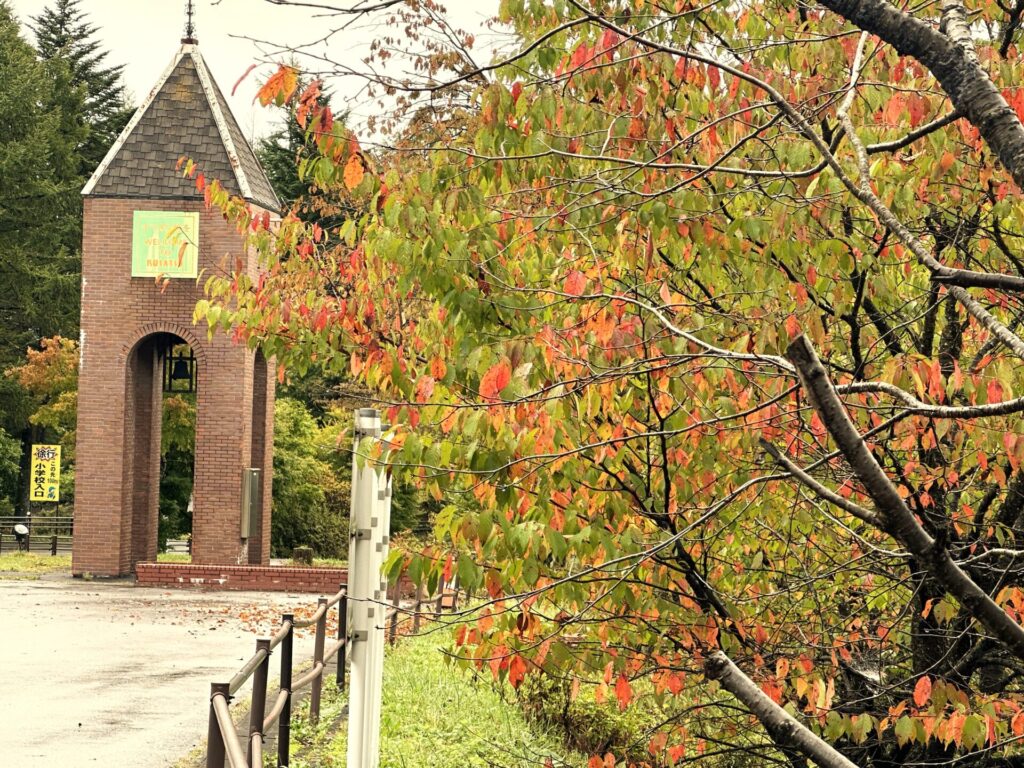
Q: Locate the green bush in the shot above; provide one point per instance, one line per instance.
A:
(310, 502)
(585, 725)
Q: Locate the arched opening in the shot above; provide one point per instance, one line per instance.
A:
(161, 384)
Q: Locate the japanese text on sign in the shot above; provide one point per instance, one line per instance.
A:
(45, 473)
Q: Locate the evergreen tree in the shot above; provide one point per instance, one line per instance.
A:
(64, 34)
(281, 154)
(38, 278)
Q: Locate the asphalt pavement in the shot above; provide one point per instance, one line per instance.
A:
(97, 673)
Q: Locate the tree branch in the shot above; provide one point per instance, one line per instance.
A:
(781, 726)
(896, 517)
(955, 67)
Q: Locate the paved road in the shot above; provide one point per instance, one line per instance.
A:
(99, 674)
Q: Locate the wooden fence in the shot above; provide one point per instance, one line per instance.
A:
(46, 535)
(223, 743)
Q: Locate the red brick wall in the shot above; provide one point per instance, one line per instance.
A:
(115, 502)
(257, 578)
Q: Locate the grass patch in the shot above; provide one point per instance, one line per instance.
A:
(436, 716)
(174, 557)
(318, 562)
(32, 563)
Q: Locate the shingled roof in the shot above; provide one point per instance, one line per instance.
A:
(185, 115)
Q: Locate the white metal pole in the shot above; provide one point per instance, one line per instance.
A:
(361, 580)
(375, 683)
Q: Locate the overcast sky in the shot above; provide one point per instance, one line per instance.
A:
(144, 35)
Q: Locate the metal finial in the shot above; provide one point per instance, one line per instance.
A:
(190, 27)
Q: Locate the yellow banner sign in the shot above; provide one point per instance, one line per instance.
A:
(45, 473)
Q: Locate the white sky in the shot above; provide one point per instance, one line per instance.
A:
(145, 35)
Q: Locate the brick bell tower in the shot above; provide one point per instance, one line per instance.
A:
(143, 220)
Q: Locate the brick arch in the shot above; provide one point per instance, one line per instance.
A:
(181, 331)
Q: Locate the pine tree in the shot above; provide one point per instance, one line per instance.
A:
(39, 211)
(64, 34)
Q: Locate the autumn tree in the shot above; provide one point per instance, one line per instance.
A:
(705, 328)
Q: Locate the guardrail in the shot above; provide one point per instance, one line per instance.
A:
(222, 739)
(45, 534)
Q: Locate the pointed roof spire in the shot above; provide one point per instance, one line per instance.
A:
(190, 27)
(185, 115)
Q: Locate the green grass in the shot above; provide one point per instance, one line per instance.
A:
(327, 562)
(437, 716)
(174, 557)
(21, 563)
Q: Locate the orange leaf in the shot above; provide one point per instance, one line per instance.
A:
(495, 380)
(354, 171)
(792, 326)
(516, 671)
(280, 87)
(623, 692)
(1017, 724)
(923, 690)
(575, 283)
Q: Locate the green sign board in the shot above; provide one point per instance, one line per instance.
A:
(165, 244)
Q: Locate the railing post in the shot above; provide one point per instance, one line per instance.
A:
(440, 597)
(318, 658)
(284, 726)
(215, 750)
(416, 609)
(393, 628)
(53, 545)
(259, 697)
(342, 635)
(455, 594)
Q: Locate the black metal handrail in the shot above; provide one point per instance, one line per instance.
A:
(223, 743)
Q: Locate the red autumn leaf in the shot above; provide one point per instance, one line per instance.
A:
(447, 574)
(517, 90)
(424, 388)
(994, 391)
(680, 69)
(792, 326)
(623, 691)
(516, 671)
(714, 77)
(575, 283)
(307, 101)
(495, 380)
(923, 690)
